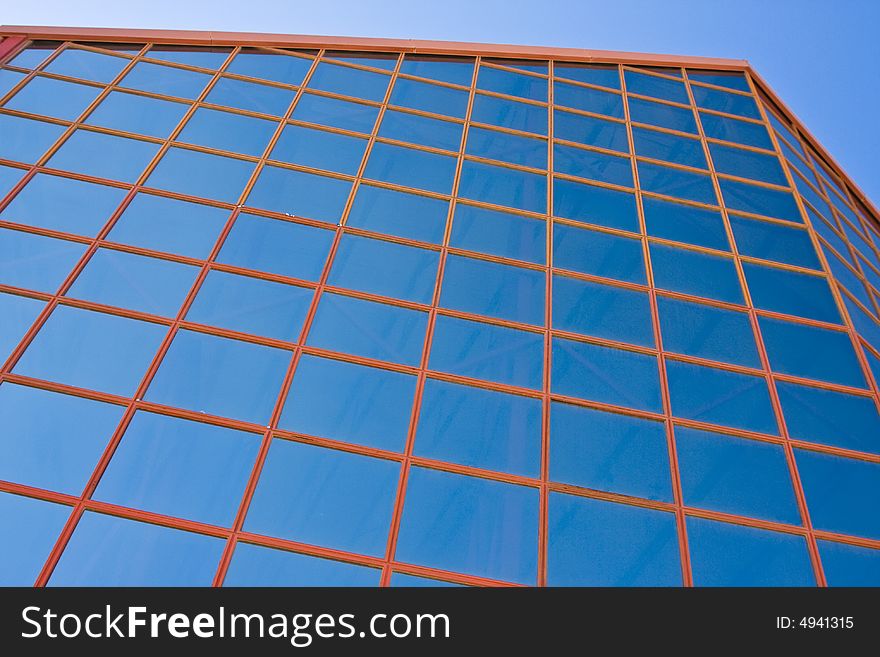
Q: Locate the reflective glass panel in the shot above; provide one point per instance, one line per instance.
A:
(685, 223)
(700, 274)
(503, 186)
(138, 114)
(723, 101)
(849, 565)
(791, 293)
(34, 261)
(512, 84)
(411, 168)
(335, 113)
(595, 205)
(729, 129)
(55, 98)
(671, 148)
(747, 164)
(588, 100)
(25, 140)
(165, 80)
(598, 254)
(762, 239)
(455, 70)
(759, 200)
(37, 526)
(319, 149)
(423, 130)
(498, 233)
(18, 314)
(104, 156)
(514, 149)
(429, 98)
(590, 131)
(228, 132)
(87, 65)
(509, 114)
(592, 164)
(254, 565)
(656, 87)
(676, 182)
(349, 81)
(662, 116)
(398, 213)
(256, 63)
(297, 193)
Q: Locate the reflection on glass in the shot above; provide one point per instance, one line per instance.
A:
(226, 131)
(104, 156)
(138, 114)
(349, 81)
(609, 452)
(55, 98)
(498, 233)
(253, 565)
(220, 376)
(455, 70)
(37, 526)
(429, 98)
(598, 254)
(87, 65)
(512, 114)
(475, 526)
(594, 205)
(25, 140)
(596, 543)
(502, 186)
(398, 213)
(685, 223)
(791, 293)
(18, 314)
(36, 262)
(335, 113)
(251, 96)
(691, 272)
(324, 497)
(298, 193)
(849, 565)
(349, 402)
(165, 80)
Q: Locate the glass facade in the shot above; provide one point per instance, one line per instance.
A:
(323, 317)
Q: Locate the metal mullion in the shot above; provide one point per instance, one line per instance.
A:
(247, 497)
(400, 495)
(769, 220)
(37, 493)
(32, 73)
(668, 131)
(675, 474)
(794, 475)
(546, 378)
(519, 99)
(46, 232)
(110, 448)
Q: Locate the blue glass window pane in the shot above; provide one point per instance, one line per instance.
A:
(255, 63)
(92, 350)
(811, 352)
(201, 174)
(707, 332)
(609, 452)
(602, 311)
(87, 65)
(484, 351)
(51, 440)
(349, 81)
(596, 543)
(165, 224)
(423, 130)
(25, 140)
(9, 177)
(228, 132)
(502, 186)
(590, 131)
(470, 525)
(662, 116)
(494, 145)
(220, 376)
(735, 475)
(676, 182)
(730, 399)
(600, 74)
(728, 129)
(109, 551)
(300, 194)
(18, 314)
(841, 493)
(722, 101)
(165, 80)
(34, 54)
(251, 305)
(429, 98)
(319, 149)
(730, 79)
(761, 239)
(138, 114)
(324, 497)
(733, 555)
(398, 213)
(759, 200)
(200, 57)
(55, 98)
(172, 466)
(276, 246)
(385, 268)
(588, 100)
(104, 156)
(830, 418)
(592, 164)
(849, 565)
(498, 233)
(509, 114)
(512, 84)
(480, 428)
(792, 293)
(656, 87)
(37, 526)
(251, 96)
(455, 70)
(493, 289)
(607, 375)
(747, 164)
(671, 148)
(598, 254)
(411, 168)
(684, 223)
(253, 565)
(64, 204)
(137, 282)
(691, 272)
(34, 261)
(595, 205)
(335, 113)
(385, 61)
(349, 402)
(368, 329)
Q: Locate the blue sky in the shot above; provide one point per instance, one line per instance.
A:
(820, 56)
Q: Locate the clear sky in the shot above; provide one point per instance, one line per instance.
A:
(821, 56)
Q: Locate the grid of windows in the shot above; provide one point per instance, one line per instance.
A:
(462, 311)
